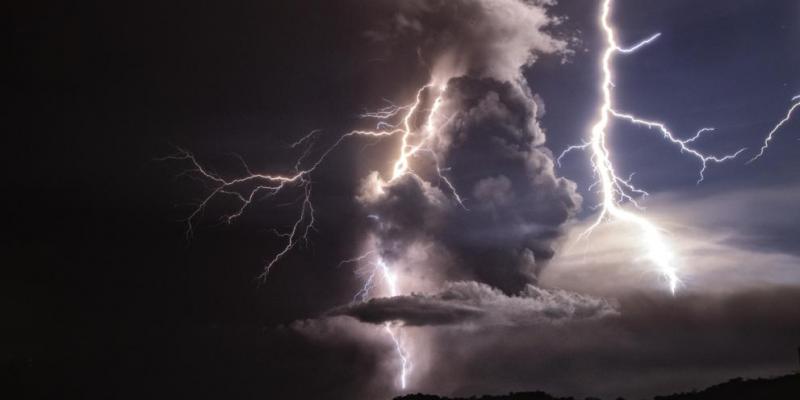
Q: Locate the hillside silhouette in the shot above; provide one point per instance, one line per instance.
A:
(780, 388)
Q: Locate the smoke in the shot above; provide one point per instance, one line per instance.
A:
(469, 225)
(491, 147)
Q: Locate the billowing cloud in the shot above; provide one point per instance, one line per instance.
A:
(473, 303)
(479, 38)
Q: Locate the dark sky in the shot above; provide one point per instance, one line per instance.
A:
(105, 297)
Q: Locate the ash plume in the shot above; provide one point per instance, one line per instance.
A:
(490, 146)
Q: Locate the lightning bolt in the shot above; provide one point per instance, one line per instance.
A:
(401, 353)
(614, 190)
(765, 145)
(381, 268)
(405, 362)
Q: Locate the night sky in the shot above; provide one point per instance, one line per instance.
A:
(105, 296)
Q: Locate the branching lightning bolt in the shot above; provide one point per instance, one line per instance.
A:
(246, 189)
(615, 190)
(415, 140)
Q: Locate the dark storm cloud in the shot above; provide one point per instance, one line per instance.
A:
(517, 203)
(477, 304)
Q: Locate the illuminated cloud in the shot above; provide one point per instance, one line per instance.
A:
(475, 304)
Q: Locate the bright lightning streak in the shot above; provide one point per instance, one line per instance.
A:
(390, 282)
(615, 190)
(405, 363)
(796, 101)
